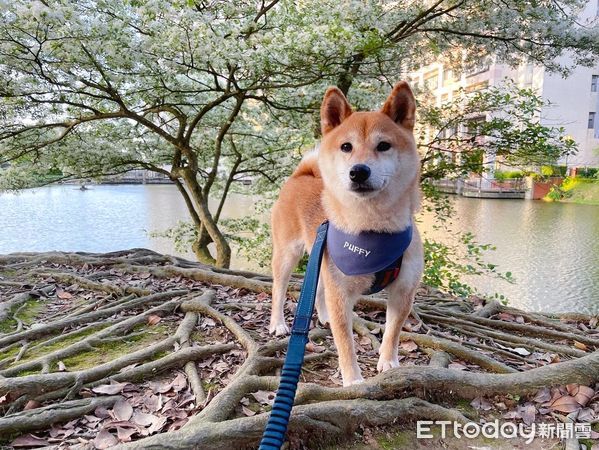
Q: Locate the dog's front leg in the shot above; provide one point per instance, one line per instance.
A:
(399, 305)
(401, 296)
(340, 315)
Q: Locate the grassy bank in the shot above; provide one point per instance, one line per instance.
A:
(576, 190)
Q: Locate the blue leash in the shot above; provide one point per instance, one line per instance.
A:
(274, 433)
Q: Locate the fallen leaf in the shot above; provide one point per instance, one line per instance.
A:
(32, 404)
(520, 351)
(264, 397)
(122, 410)
(247, 411)
(63, 295)
(584, 394)
(180, 382)
(143, 419)
(102, 412)
(92, 419)
(161, 386)
(208, 322)
(314, 348)
(528, 414)
(29, 440)
(457, 366)
(544, 395)
(124, 434)
(409, 346)
(506, 317)
(481, 403)
(109, 389)
(178, 423)
(157, 424)
(580, 346)
(153, 402)
(104, 439)
(153, 319)
(585, 415)
(566, 404)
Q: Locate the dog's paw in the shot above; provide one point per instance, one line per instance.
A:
(356, 380)
(323, 319)
(385, 364)
(278, 329)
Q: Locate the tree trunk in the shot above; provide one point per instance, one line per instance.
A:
(223, 250)
(200, 247)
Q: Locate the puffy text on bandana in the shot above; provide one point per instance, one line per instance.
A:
(356, 249)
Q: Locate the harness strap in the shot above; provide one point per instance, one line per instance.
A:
(276, 427)
(385, 277)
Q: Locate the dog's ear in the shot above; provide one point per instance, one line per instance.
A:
(334, 109)
(401, 105)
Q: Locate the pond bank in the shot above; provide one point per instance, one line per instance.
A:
(579, 190)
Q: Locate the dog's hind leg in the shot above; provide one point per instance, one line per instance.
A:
(284, 260)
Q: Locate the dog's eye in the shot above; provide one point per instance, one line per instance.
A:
(346, 147)
(383, 146)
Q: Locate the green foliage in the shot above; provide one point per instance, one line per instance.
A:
(501, 175)
(252, 237)
(553, 170)
(183, 235)
(447, 265)
(588, 172)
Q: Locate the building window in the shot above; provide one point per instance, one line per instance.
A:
(594, 82)
(591, 120)
(448, 77)
(431, 80)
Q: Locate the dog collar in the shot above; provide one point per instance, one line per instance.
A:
(368, 251)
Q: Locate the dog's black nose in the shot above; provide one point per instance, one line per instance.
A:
(359, 173)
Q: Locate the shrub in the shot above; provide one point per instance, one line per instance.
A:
(588, 172)
(501, 175)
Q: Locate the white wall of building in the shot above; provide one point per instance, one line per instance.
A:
(571, 99)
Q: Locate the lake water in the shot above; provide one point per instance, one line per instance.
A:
(552, 250)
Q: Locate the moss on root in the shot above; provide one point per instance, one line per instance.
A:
(29, 311)
(111, 350)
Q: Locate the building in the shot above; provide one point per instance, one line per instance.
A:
(574, 101)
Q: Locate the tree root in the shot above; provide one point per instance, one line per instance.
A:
(315, 423)
(45, 417)
(483, 340)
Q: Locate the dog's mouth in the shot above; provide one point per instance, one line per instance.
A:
(362, 188)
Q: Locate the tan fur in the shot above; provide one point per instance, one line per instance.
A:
(320, 189)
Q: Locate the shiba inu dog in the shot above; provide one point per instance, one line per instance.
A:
(363, 178)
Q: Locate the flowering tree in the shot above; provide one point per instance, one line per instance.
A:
(208, 91)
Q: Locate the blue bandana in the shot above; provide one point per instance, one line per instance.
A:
(367, 252)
